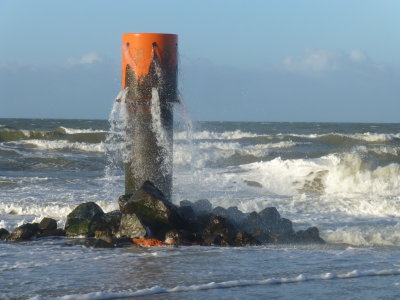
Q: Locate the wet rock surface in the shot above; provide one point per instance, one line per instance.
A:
(147, 214)
(24, 232)
(84, 220)
(4, 234)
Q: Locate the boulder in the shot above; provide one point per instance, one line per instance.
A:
(253, 183)
(202, 206)
(245, 239)
(4, 234)
(48, 224)
(155, 213)
(112, 221)
(187, 213)
(219, 232)
(122, 201)
(53, 232)
(24, 232)
(97, 243)
(220, 211)
(84, 220)
(235, 215)
(132, 227)
(310, 235)
(232, 214)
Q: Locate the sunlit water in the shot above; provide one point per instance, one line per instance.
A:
(343, 178)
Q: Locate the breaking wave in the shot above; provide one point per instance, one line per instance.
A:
(156, 290)
(62, 144)
(77, 131)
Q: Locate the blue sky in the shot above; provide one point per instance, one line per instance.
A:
(335, 61)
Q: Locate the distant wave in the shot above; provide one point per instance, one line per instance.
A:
(62, 144)
(155, 290)
(77, 131)
(366, 137)
(210, 135)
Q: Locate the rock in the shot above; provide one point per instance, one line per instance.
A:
(220, 211)
(253, 183)
(285, 227)
(84, 220)
(202, 206)
(235, 215)
(112, 221)
(173, 237)
(310, 235)
(219, 232)
(48, 224)
(122, 201)
(184, 203)
(270, 216)
(53, 232)
(132, 227)
(245, 239)
(24, 232)
(153, 211)
(105, 236)
(187, 213)
(252, 222)
(267, 226)
(4, 234)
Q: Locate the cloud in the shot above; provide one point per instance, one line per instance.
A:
(357, 56)
(319, 61)
(86, 59)
(314, 60)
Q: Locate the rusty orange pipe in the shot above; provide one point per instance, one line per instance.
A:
(138, 50)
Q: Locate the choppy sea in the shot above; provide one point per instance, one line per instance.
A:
(342, 178)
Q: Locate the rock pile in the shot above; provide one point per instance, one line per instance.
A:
(147, 214)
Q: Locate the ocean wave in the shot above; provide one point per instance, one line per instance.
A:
(156, 290)
(364, 235)
(211, 135)
(63, 144)
(381, 150)
(204, 153)
(58, 211)
(77, 131)
(365, 137)
(342, 174)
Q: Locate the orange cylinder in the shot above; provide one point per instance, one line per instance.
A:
(143, 55)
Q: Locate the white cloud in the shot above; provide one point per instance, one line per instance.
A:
(314, 61)
(357, 55)
(86, 59)
(318, 61)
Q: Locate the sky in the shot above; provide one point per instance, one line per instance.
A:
(254, 60)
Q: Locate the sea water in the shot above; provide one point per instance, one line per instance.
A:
(342, 178)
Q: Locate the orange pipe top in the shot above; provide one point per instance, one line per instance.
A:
(138, 51)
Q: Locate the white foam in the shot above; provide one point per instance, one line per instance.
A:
(213, 151)
(395, 151)
(75, 130)
(228, 284)
(62, 144)
(366, 136)
(365, 235)
(54, 210)
(211, 135)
